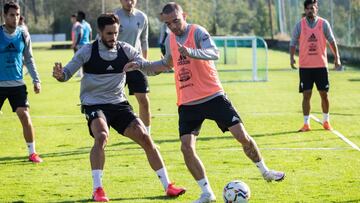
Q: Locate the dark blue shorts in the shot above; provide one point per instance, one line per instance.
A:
(17, 96)
(309, 76)
(117, 116)
(218, 109)
(137, 82)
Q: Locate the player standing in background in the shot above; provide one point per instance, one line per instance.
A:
(200, 95)
(84, 34)
(164, 32)
(22, 24)
(311, 33)
(75, 28)
(134, 30)
(104, 103)
(15, 44)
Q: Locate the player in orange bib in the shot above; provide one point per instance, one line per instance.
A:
(200, 96)
(311, 33)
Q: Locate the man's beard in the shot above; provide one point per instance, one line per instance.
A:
(107, 45)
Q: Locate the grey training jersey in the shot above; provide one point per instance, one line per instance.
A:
(133, 28)
(101, 88)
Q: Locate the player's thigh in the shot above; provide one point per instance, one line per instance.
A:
(322, 79)
(99, 128)
(306, 81)
(137, 82)
(190, 120)
(97, 121)
(239, 132)
(136, 131)
(221, 110)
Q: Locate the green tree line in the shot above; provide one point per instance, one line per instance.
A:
(220, 17)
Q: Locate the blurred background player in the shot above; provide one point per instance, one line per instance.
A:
(15, 44)
(164, 32)
(311, 33)
(75, 28)
(134, 30)
(104, 102)
(22, 24)
(84, 34)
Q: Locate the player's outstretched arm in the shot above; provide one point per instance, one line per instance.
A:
(58, 72)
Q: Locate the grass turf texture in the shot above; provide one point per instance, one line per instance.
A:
(320, 167)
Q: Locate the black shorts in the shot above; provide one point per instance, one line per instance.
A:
(117, 116)
(17, 96)
(309, 76)
(218, 109)
(137, 82)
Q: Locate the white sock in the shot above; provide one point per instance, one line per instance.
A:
(262, 166)
(326, 117)
(205, 185)
(163, 176)
(148, 129)
(307, 119)
(31, 147)
(97, 176)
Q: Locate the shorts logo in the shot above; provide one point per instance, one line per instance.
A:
(235, 119)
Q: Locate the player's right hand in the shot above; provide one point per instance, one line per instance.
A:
(58, 71)
(292, 63)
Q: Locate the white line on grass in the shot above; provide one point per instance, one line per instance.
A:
(337, 133)
(294, 149)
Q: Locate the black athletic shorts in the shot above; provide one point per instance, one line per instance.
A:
(309, 76)
(17, 96)
(218, 109)
(137, 82)
(117, 116)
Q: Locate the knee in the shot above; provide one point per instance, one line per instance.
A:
(187, 150)
(23, 114)
(243, 138)
(147, 142)
(101, 139)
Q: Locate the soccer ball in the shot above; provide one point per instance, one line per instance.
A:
(236, 192)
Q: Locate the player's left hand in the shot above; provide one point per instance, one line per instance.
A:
(337, 63)
(37, 87)
(183, 50)
(131, 66)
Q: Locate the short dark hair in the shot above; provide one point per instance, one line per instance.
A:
(107, 19)
(80, 16)
(308, 2)
(170, 7)
(73, 15)
(9, 5)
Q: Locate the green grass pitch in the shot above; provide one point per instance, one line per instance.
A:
(320, 166)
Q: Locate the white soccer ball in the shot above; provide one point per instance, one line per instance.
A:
(236, 192)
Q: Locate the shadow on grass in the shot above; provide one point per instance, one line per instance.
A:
(24, 159)
(347, 201)
(354, 80)
(86, 150)
(137, 199)
(339, 114)
(219, 137)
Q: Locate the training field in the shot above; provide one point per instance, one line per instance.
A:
(320, 167)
